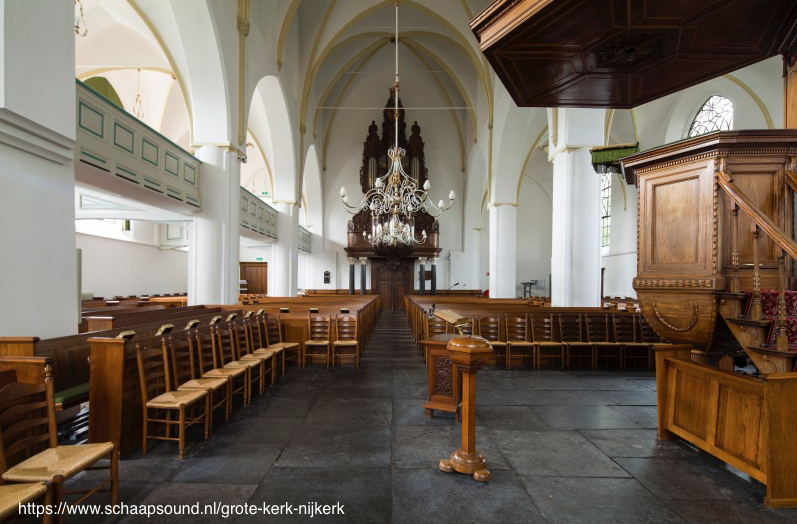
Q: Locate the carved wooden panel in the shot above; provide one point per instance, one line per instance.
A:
(676, 219)
(442, 376)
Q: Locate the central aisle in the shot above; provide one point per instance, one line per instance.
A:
(562, 447)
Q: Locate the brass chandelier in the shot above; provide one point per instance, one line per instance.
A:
(396, 197)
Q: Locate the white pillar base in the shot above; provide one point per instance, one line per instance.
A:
(286, 252)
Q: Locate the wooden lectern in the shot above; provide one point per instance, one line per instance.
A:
(468, 354)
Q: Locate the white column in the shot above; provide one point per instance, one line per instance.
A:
(38, 268)
(286, 252)
(213, 269)
(503, 251)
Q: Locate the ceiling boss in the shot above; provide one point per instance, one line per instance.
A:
(396, 197)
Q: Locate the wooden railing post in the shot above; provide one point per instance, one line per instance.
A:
(735, 252)
(755, 309)
(782, 337)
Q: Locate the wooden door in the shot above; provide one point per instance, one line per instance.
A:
(391, 279)
(256, 276)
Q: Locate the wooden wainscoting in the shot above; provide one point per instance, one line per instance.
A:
(745, 421)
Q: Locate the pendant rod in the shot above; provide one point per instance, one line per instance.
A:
(396, 87)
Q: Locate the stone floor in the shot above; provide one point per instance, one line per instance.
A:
(562, 447)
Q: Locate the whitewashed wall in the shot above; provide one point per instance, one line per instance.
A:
(117, 267)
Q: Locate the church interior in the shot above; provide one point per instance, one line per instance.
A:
(398, 261)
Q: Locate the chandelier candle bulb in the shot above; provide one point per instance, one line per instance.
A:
(427, 185)
(452, 195)
(343, 192)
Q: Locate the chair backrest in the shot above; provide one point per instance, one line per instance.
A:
(318, 327)
(256, 330)
(224, 342)
(346, 327)
(202, 346)
(625, 329)
(490, 328)
(243, 346)
(646, 333)
(181, 361)
(597, 327)
(542, 328)
(570, 329)
(273, 329)
(516, 328)
(434, 326)
(27, 420)
(153, 372)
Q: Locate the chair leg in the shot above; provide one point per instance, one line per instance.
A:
(208, 413)
(228, 410)
(144, 432)
(114, 476)
(58, 496)
(181, 438)
(48, 502)
(508, 357)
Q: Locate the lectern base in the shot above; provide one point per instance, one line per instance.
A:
(470, 464)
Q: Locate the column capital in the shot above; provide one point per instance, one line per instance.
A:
(434, 260)
(352, 260)
(421, 259)
(363, 260)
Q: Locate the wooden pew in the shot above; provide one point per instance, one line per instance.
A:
(115, 395)
(70, 354)
(136, 317)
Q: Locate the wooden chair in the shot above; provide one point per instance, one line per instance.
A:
(546, 347)
(346, 344)
(226, 348)
(317, 346)
(289, 351)
(598, 332)
(490, 329)
(184, 376)
(517, 340)
(432, 326)
(210, 366)
(246, 352)
(158, 401)
(576, 340)
(29, 450)
(258, 345)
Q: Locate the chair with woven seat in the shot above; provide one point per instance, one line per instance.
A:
(543, 336)
(12, 496)
(490, 329)
(317, 345)
(518, 342)
(258, 343)
(159, 401)
(346, 345)
(225, 346)
(288, 351)
(598, 331)
(209, 366)
(576, 340)
(29, 450)
(245, 351)
(180, 356)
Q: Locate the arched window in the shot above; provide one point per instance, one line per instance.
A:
(715, 115)
(606, 207)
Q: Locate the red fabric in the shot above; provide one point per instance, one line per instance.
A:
(769, 302)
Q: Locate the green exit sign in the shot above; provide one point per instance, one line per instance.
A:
(264, 193)
(259, 259)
